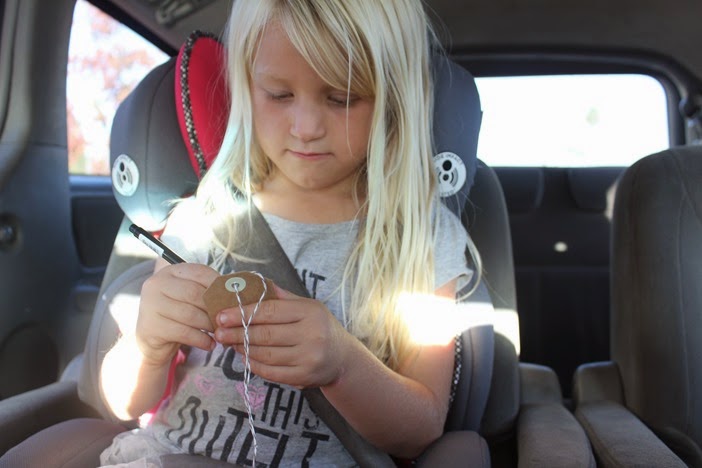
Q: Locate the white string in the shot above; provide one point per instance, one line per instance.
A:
(247, 364)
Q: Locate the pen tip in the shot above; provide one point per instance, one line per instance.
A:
(134, 229)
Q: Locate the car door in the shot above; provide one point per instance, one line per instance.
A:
(58, 217)
(38, 261)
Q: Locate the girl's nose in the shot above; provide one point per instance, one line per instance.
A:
(307, 121)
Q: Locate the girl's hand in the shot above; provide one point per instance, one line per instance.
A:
(292, 340)
(172, 312)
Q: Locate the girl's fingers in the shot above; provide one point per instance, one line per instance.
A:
(172, 312)
(289, 375)
(187, 335)
(184, 290)
(284, 294)
(201, 274)
(293, 375)
(177, 294)
(270, 355)
(272, 311)
(260, 335)
(160, 346)
(188, 315)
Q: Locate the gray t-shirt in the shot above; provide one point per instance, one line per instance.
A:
(206, 413)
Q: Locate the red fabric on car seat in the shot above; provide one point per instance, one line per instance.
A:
(202, 99)
(178, 359)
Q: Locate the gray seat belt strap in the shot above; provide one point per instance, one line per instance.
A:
(261, 243)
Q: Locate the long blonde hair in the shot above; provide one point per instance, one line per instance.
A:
(376, 48)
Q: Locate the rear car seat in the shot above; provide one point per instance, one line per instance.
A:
(525, 423)
(643, 407)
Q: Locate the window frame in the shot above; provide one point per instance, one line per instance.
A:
(124, 20)
(674, 79)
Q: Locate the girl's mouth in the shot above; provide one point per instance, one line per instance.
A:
(308, 155)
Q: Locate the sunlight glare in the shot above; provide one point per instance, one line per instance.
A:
(124, 309)
(433, 320)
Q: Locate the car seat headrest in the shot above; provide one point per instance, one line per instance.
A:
(150, 163)
(169, 129)
(457, 118)
(200, 89)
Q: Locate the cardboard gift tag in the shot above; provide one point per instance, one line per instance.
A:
(222, 292)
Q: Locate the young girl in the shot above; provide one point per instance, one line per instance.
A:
(329, 137)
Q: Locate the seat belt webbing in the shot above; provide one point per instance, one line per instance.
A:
(261, 243)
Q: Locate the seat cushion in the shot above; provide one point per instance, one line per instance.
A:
(456, 449)
(619, 438)
(76, 443)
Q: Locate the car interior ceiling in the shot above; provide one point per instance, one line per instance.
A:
(563, 299)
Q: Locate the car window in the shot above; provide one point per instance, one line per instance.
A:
(106, 60)
(571, 120)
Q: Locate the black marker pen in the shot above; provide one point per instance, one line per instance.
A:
(155, 245)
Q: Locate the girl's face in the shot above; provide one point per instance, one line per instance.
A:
(315, 135)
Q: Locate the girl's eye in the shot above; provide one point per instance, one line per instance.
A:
(279, 96)
(342, 99)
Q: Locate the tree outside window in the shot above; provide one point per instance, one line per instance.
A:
(106, 61)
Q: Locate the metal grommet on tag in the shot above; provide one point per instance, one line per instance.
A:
(235, 284)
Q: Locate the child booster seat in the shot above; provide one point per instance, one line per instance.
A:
(201, 106)
(165, 135)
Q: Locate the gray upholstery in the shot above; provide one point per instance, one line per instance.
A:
(503, 403)
(112, 305)
(539, 385)
(488, 225)
(657, 295)
(146, 130)
(620, 439)
(462, 449)
(76, 443)
(457, 119)
(473, 388)
(525, 402)
(492, 238)
(544, 419)
(655, 379)
(548, 436)
(27, 413)
(598, 381)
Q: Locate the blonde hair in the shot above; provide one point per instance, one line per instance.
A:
(375, 48)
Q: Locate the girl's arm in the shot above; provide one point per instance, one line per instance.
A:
(130, 385)
(134, 372)
(400, 412)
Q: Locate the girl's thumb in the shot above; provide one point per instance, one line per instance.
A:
(281, 293)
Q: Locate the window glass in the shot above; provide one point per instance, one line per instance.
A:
(571, 120)
(106, 60)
